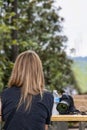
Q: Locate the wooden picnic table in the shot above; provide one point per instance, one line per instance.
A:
(69, 118)
(63, 119)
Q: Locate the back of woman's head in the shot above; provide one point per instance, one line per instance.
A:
(28, 74)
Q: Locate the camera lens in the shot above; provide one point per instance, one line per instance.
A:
(62, 107)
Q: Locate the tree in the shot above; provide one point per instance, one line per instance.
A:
(39, 27)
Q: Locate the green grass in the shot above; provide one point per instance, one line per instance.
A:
(80, 72)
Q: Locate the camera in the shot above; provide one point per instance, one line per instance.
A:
(66, 105)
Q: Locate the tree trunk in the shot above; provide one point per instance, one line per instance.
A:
(15, 48)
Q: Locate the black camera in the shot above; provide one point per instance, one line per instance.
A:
(66, 105)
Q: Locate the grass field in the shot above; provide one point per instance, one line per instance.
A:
(79, 68)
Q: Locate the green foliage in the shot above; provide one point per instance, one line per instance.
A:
(35, 25)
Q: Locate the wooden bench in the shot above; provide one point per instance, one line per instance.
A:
(61, 121)
(80, 102)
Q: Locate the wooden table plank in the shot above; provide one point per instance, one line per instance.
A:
(69, 118)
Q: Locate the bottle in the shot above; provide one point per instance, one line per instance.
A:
(56, 100)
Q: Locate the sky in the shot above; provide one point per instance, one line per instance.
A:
(75, 25)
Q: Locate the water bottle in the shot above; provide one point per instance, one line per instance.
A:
(56, 100)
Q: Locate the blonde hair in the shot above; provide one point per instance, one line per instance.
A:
(28, 74)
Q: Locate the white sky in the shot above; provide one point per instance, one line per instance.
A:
(75, 25)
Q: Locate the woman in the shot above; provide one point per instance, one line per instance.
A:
(25, 105)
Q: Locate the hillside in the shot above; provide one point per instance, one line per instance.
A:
(79, 68)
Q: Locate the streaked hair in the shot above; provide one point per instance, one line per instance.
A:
(28, 74)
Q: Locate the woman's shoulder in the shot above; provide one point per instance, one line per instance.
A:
(48, 99)
(48, 95)
(9, 91)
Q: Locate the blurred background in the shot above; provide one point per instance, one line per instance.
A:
(75, 27)
(56, 30)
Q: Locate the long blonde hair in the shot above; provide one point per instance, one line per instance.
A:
(28, 74)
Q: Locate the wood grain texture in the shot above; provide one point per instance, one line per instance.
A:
(69, 118)
(80, 102)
